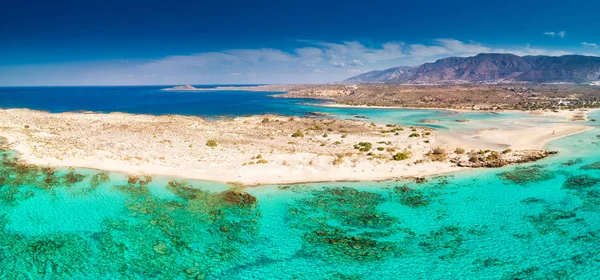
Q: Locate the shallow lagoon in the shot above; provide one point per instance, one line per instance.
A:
(538, 220)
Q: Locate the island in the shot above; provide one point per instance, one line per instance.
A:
(183, 87)
(263, 149)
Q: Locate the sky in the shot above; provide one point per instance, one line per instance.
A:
(89, 42)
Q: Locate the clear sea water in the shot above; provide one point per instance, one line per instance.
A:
(532, 221)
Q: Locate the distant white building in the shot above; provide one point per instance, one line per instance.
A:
(596, 83)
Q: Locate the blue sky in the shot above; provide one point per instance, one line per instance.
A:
(222, 42)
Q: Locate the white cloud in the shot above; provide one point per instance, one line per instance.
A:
(312, 62)
(560, 34)
(589, 45)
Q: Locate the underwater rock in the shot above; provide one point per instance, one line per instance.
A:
(429, 121)
(547, 221)
(358, 224)
(72, 177)
(185, 190)
(592, 166)
(580, 182)
(239, 198)
(133, 179)
(529, 174)
(572, 162)
(411, 197)
(319, 114)
(420, 180)
(445, 242)
(357, 248)
(160, 248)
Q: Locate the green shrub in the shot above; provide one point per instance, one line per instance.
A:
(211, 143)
(437, 154)
(262, 161)
(459, 151)
(339, 160)
(401, 156)
(380, 148)
(414, 135)
(506, 151)
(297, 134)
(363, 146)
(493, 156)
(325, 135)
(337, 143)
(265, 120)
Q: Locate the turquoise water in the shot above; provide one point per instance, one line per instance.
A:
(532, 221)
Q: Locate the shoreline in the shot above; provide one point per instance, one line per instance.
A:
(111, 142)
(535, 112)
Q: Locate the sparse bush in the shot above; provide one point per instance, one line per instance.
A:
(26, 126)
(437, 154)
(506, 151)
(363, 146)
(211, 143)
(380, 148)
(339, 160)
(459, 151)
(262, 161)
(401, 156)
(414, 135)
(493, 156)
(265, 120)
(297, 134)
(337, 143)
(325, 135)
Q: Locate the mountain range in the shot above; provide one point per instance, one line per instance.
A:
(491, 67)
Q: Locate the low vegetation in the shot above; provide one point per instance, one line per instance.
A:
(211, 143)
(401, 156)
(437, 154)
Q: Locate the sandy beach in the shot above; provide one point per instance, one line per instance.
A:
(571, 115)
(254, 150)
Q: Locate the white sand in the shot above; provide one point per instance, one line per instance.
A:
(176, 146)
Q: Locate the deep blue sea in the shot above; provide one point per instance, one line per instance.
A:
(146, 100)
(533, 221)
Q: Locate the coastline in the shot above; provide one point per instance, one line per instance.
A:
(562, 113)
(111, 142)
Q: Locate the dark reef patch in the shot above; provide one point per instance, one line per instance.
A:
(526, 175)
(580, 182)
